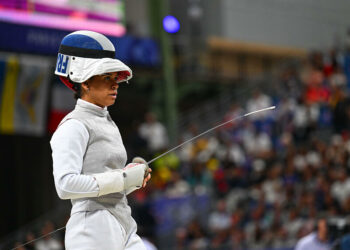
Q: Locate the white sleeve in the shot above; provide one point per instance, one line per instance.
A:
(68, 146)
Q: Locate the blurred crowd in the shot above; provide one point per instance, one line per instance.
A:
(268, 176)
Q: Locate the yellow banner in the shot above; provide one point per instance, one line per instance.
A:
(7, 106)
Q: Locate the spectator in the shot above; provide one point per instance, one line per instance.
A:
(196, 236)
(30, 237)
(18, 246)
(340, 189)
(48, 242)
(318, 240)
(219, 219)
(258, 101)
(154, 133)
(273, 185)
(177, 187)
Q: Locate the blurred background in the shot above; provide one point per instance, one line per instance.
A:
(262, 182)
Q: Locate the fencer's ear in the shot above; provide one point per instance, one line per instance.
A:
(85, 86)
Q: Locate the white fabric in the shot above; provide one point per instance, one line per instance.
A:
(257, 102)
(110, 182)
(340, 190)
(48, 244)
(272, 189)
(219, 221)
(141, 161)
(68, 145)
(301, 117)
(311, 241)
(68, 148)
(236, 154)
(130, 190)
(81, 148)
(155, 134)
(81, 69)
(149, 245)
(82, 233)
(134, 174)
(105, 152)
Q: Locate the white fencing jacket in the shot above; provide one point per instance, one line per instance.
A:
(88, 142)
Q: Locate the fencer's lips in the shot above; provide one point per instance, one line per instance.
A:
(114, 94)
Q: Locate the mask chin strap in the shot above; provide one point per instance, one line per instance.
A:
(66, 82)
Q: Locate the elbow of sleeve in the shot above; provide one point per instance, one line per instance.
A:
(63, 195)
(62, 185)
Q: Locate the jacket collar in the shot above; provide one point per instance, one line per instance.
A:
(91, 108)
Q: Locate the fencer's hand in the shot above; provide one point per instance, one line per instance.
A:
(147, 178)
(147, 171)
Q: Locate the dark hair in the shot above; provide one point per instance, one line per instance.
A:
(77, 88)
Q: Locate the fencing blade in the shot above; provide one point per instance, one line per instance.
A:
(211, 129)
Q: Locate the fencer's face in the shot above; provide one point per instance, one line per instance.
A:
(102, 89)
(322, 229)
